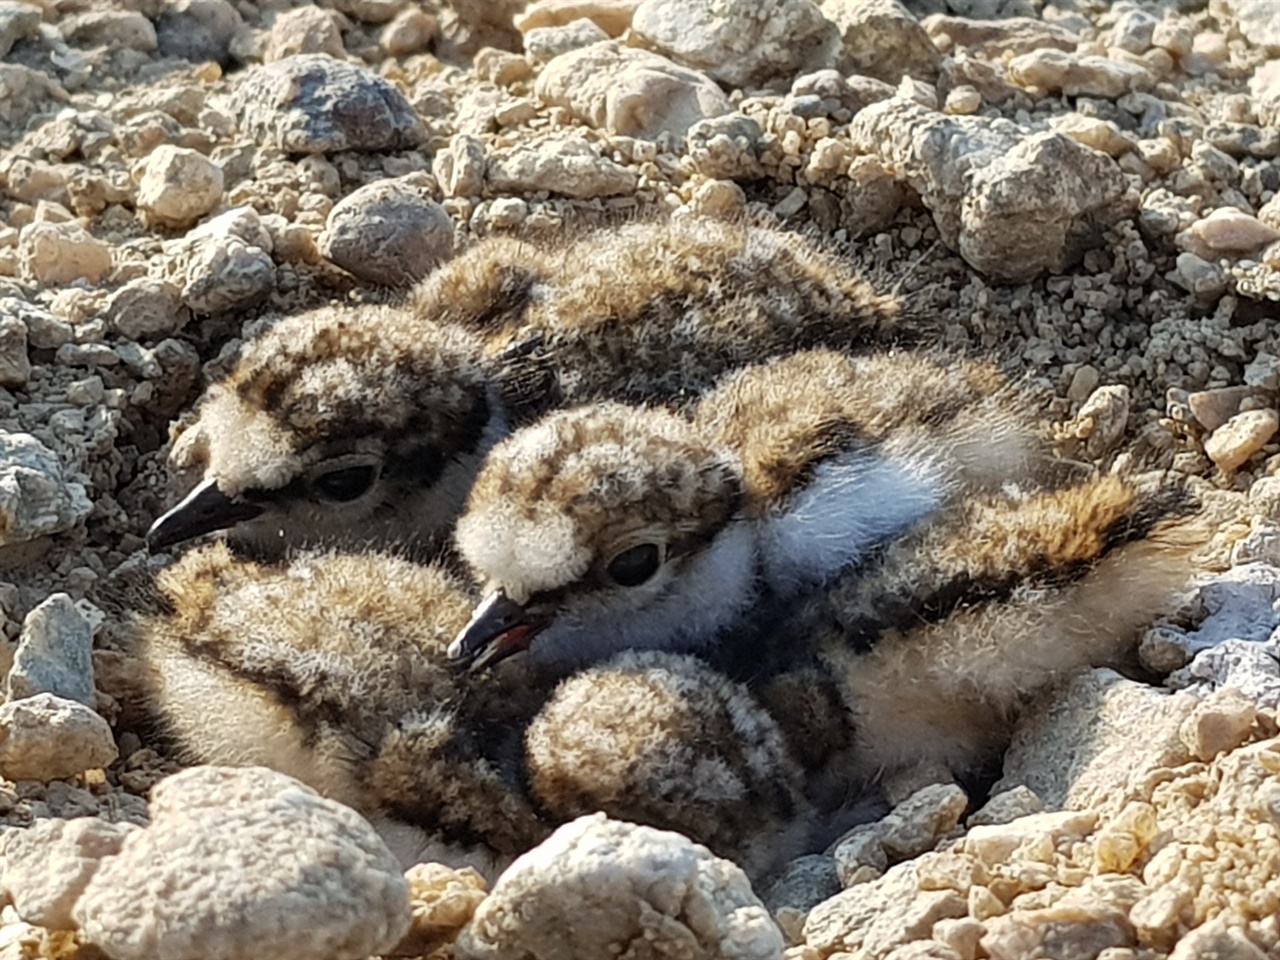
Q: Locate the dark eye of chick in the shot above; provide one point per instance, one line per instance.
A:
(345, 484)
(634, 566)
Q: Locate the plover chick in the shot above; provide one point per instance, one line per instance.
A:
(654, 311)
(331, 669)
(612, 527)
(663, 739)
(940, 645)
(365, 425)
(340, 428)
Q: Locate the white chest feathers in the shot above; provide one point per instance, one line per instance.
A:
(854, 502)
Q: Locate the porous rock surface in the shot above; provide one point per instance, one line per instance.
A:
(1090, 189)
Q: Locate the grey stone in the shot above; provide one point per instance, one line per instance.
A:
(1013, 207)
(881, 39)
(54, 654)
(35, 499)
(573, 168)
(742, 43)
(44, 329)
(115, 28)
(544, 43)
(597, 887)
(312, 103)
(198, 30)
(45, 868)
(632, 92)
(224, 273)
(48, 738)
(18, 21)
(147, 308)
(387, 233)
(726, 148)
(243, 863)
(799, 887)
(15, 365)
(1090, 743)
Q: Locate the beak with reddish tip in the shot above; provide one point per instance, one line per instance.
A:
(499, 628)
(203, 510)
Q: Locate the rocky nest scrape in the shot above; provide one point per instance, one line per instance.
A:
(1090, 189)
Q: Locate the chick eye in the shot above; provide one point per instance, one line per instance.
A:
(345, 484)
(633, 567)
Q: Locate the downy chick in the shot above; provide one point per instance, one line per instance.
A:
(365, 426)
(340, 428)
(610, 527)
(331, 669)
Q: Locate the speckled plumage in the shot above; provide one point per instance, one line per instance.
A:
(507, 330)
(331, 669)
(664, 740)
(789, 473)
(335, 390)
(939, 646)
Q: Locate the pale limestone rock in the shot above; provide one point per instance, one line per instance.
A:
(35, 499)
(1057, 71)
(995, 843)
(411, 31)
(1092, 743)
(54, 654)
(116, 28)
(881, 39)
(1101, 420)
(386, 232)
(573, 168)
(1011, 206)
(613, 17)
(877, 917)
(1218, 724)
(860, 855)
(18, 21)
(916, 824)
(631, 92)
(45, 868)
(61, 253)
(719, 198)
(147, 308)
(600, 888)
(1005, 807)
(1197, 275)
(47, 738)
(547, 43)
(1241, 437)
(1226, 231)
(1065, 933)
(1099, 134)
(246, 862)
(304, 30)
(177, 186)
(442, 900)
(989, 39)
(740, 43)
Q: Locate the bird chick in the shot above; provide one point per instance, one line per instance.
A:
(340, 428)
(964, 621)
(360, 426)
(612, 527)
(332, 670)
(662, 739)
(654, 311)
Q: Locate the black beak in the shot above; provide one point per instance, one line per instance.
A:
(205, 509)
(499, 628)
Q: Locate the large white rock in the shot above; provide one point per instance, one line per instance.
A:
(48, 738)
(246, 863)
(54, 654)
(605, 888)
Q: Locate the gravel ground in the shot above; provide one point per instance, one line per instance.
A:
(1089, 191)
